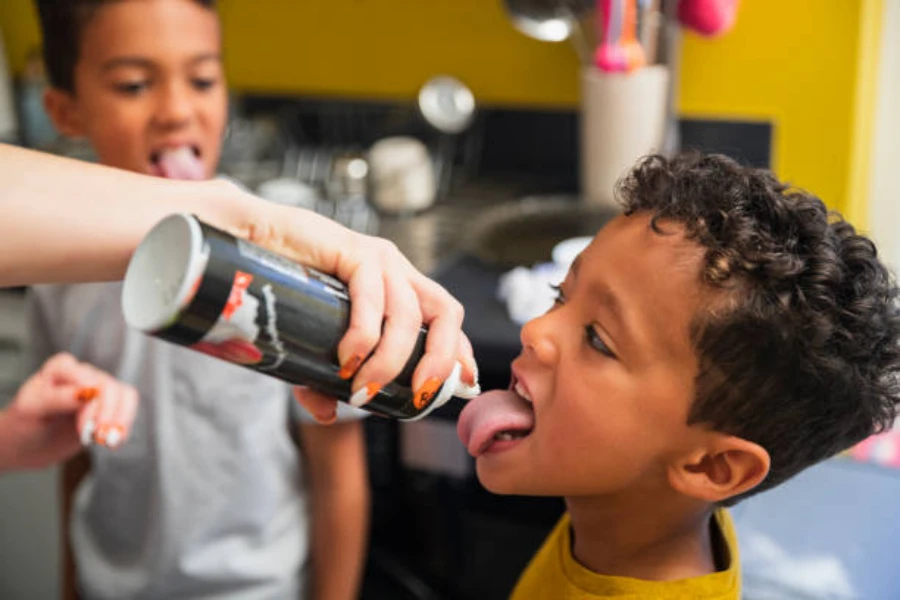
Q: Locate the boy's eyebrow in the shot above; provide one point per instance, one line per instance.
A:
(208, 56)
(127, 61)
(137, 61)
(604, 295)
(607, 298)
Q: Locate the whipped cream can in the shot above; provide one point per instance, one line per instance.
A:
(199, 287)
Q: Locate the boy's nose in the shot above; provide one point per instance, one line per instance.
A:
(538, 337)
(174, 108)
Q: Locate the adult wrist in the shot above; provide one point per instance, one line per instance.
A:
(228, 207)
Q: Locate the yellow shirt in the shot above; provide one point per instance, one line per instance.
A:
(555, 574)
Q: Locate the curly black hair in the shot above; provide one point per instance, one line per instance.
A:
(802, 352)
(62, 23)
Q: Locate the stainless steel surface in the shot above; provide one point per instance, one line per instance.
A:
(554, 21)
(429, 237)
(493, 224)
(524, 233)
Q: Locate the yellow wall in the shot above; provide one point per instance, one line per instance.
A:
(792, 61)
(795, 62)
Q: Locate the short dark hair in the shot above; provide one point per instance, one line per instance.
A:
(62, 23)
(801, 354)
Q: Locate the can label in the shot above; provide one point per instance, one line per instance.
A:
(234, 335)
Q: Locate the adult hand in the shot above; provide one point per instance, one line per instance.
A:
(390, 301)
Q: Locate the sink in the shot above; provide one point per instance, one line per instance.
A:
(524, 232)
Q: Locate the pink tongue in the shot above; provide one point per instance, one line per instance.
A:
(181, 164)
(491, 413)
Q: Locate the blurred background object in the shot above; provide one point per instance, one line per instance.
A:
(9, 127)
(555, 21)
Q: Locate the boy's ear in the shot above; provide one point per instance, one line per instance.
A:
(60, 107)
(725, 467)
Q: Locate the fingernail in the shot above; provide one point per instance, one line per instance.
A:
(86, 394)
(114, 436)
(101, 434)
(468, 386)
(471, 378)
(349, 368)
(244, 353)
(426, 392)
(328, 417)
(87, 432)
(364, 394)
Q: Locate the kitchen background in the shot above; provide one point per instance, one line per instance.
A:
(803, 86)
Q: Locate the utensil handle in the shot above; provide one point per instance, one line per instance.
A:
(619, 50)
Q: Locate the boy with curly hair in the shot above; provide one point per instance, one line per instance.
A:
(723, 334)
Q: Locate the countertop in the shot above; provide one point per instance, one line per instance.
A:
(432, 237)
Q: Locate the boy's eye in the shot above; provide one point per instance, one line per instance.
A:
(131, 88)
(560, 296)
(593, 338)
(202, 84)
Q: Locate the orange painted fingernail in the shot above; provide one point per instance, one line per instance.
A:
(86, 394)
(470, 378)
(364, 394)
(349, 368)
(101, 434)
(426, 392)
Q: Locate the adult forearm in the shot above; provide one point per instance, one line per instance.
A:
(66, 220)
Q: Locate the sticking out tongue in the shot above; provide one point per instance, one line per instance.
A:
(181, 163)
(492, 413)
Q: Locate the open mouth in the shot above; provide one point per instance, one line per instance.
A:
(156, 155)
(497, 420)
(178, 162)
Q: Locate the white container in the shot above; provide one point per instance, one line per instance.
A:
(401, 175)
(623, 117)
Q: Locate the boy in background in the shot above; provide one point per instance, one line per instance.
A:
(208, 499)
(721, 336)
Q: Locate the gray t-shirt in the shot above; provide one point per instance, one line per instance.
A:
(206, 498)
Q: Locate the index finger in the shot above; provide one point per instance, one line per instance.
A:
(65, 369)
(55, 399)
(366, 288)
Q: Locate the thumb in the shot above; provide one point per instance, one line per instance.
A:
(321, 407)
